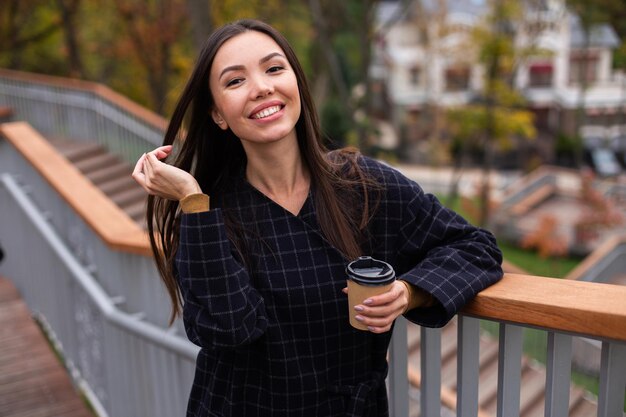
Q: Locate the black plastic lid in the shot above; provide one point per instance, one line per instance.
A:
(369, 271)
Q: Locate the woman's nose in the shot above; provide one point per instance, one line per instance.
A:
(262, 87)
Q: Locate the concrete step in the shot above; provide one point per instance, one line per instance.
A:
(128, 197)
(97, 162)
(77, 151)
(111, 175)
(118, 184)
(108, 173)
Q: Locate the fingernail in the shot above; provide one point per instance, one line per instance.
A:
(358, 318)
(370, 328)
(358, 308)
(368, 301)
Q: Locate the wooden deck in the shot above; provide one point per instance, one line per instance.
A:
(33, 383)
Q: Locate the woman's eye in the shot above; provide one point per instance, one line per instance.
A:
(234, 81)
(275, 68)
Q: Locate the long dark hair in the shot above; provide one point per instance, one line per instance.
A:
(211, 154)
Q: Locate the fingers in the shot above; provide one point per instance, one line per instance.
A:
(379, 312)
(162, 152)
(138, 174)
(146, 167)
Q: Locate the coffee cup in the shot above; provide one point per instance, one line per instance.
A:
(367, 277)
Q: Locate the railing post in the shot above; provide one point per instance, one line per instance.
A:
(558, 373)
(467, 366)
(430, 363)
(398, 380)
(509, 370)
(612, 379)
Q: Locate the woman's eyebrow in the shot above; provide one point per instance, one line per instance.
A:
(241, 67)
(270, 56)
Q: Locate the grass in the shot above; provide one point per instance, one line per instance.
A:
(530, 261)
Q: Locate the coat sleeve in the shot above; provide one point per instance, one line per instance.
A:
(438, 251)
(221, 309)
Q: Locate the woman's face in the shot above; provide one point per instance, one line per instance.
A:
(255, 90)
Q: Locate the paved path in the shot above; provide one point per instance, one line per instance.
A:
(33, 383)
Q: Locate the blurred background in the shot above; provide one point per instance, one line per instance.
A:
(512, 112)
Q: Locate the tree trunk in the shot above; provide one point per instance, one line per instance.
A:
(201, 21)
(584, 86)
(329, 54)
(69, 11)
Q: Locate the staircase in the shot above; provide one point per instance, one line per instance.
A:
(106, 171)
(532, 399)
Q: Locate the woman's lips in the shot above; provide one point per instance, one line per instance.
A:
(266, 112)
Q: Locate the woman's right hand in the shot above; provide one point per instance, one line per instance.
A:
(161, 179)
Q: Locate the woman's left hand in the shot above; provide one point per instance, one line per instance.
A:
(379, 312)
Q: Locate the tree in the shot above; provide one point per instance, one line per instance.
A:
(433, 28)
(154, 28)
(344, 38)
(69, 12)
(590, 14)
(24, 23)
(200, 17)
(497, 115)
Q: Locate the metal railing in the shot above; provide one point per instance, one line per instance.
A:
(132, 367)
(107, 309)
(81, 111)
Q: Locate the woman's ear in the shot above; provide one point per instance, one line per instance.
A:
(218, 119)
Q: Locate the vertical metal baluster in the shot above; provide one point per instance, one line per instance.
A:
(467, 366)
(509, 370)
(431, 372)
(398, 381)
(612, 379)
(558, 373)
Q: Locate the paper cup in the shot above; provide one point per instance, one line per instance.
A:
(367, 277)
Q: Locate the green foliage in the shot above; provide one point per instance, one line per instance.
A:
(619, 58)
(336, 122)
(136, 48)
(36, 29)
(296, 28)
(468, 124)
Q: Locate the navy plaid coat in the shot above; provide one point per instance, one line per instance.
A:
(275, 337)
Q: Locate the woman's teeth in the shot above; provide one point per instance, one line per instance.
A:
(266, 112)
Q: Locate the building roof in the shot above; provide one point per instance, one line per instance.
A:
(600, 35)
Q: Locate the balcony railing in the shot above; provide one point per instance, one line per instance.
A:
(89, 273)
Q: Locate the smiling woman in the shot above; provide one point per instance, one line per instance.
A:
(259, 274)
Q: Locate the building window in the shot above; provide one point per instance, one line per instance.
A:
(414, 76)
(541, 75)
(581, 65)
(457, 78)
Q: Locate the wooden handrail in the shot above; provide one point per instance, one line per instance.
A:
(100, 90)
(586, 308)
(580, 307)
(106, 219)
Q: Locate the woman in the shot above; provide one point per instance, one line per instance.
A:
(260, 269)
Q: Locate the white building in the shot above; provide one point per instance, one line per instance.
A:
(424, 55)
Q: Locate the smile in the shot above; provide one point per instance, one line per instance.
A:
(266, 112)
